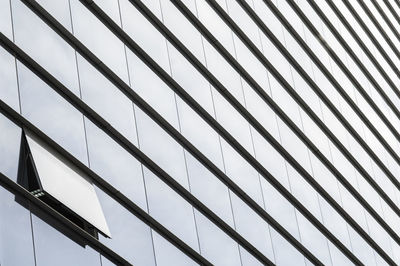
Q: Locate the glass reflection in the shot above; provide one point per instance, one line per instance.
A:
(37, 39)
(212, 239)
(51, 113)
(10, 140)
(172, 211)
(131, 238)
(167, 254)
(109, 102)
(115, 165)
(105, 45)
(8, 79)
(59, 10)
(5, 19)
(16, 245)
(54, 248)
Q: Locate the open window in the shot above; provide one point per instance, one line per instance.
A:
(58, 183)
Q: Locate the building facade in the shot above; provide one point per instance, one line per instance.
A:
(199, 132)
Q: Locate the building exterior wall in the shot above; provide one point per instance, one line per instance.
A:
(223, 132)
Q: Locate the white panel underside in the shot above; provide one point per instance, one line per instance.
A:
(66, 184)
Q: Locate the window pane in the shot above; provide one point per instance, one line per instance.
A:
(10, 140)
(53, 248)
(16, 245)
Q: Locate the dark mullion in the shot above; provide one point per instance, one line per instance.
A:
(392, 11)
(344, 68)
(379, 27)
(127, 145)
(335, 57)
(264, 28)
(120, 139)
(365, 95)
(386, 19)
(16, 189)
(259, 90)
(98, 181)
(367, 51)
(270, 35)
(170, 82)
(351, 52)
(127, 41)
(158, 119)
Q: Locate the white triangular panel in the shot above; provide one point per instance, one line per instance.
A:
(67, 184)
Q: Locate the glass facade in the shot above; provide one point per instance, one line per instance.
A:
(212, 132)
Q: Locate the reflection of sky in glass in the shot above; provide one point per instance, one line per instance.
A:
(10, 139)
(8, 79)
(45, 46)
(52, 114)
(54, 248)
(16, 245)
(5, 18)
(115, 165)
(133, 239)
(99, 39)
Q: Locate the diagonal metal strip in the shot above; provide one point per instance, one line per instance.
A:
(125, 89)
(344, 68)
(351, 53)
(117, 31)
(114, 28)
(133, 150)
(319, 64)
(388, 22)
(90, 240)
(379, 27)
(284, 83)
(392, 11)
(101, 183)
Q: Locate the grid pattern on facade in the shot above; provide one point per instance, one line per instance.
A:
(215, 132)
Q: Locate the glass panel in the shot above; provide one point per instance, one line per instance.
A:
(284, 253)
(8, 79)
(152, 89)
(161, 148)
(115, 165)
(34, 37)
(52, 114)
(105, 45)
(58, 9)
(252, 227)
(111, 7)
(109, 102)
(172, 211)
(131, 238)
(16, 245)
(167, 254)
(212, 239)
(207, 188)
(143, 33)
(54, 248)
(10, 140)
(5, 19)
